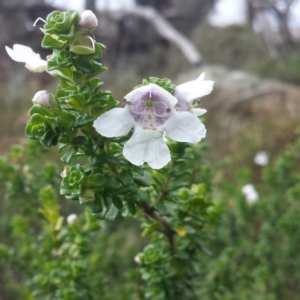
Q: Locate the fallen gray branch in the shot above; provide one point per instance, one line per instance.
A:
(164, 29)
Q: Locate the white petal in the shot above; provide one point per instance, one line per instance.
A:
(21, 53)
(115, 122)
(199, 111)
(248, 188)
(261, 158)
(147, 146)
(185, 127)
(153, 91)
(24, 50)
(193, 89)
(250, 193)
(36, 65)
(201, 77)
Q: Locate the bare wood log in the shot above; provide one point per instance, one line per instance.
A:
(164, 29)
(269, 36)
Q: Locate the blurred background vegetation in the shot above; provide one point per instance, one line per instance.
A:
(255, 106)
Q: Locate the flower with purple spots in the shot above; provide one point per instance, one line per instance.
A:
(150, 110)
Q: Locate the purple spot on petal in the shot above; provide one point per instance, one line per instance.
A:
(137, 118)
(138, 107)
(161, 120)
(160, 108)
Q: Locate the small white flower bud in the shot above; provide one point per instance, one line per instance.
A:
(250, 193)
(42, 98)
(138, 258)
(261, 158)
(71, 218)
(88, 20)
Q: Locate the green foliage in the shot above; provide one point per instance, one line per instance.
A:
(287, 69)
(59, 28)
(256, 243)
(195, 247)
(165, 83)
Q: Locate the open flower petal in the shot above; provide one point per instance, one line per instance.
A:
(185, 127)
(114, 123)
(151, 91)
(199, 111)
(21, 53)
(193, 89)
(24, 54)
(36, 65)
(147, 146)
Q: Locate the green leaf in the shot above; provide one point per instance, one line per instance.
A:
(66, 119)
(145, 180)
(83, 65)
(96, 206)
(87, 196)
(96, 181)
(112, 213)
(37, 119)
(51, 42)
(137, 169)
(37, 109)
(76, 102)
(83, 120)
(117, 202)
(82, 140)
(111, 102)
(126, 177)
(131, 207)
(77, 78)
(67, 157)
(109, 159)
(151, 228)
(127, 189)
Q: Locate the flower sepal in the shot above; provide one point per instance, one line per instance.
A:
(83, 42)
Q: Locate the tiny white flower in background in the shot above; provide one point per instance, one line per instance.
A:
(71, 218)
(42, 98)
(192, 90)
(261, 158)
(250, 193)
(88, 20)
(24, 54)
(138, 259)
(150, 110)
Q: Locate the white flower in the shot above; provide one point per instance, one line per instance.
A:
(261, 158)
(24, 54)
(193, 90)
(71, 218)
(42, 98)
(151, 111)
(138, 258)
(250, 193)
(88, 20)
